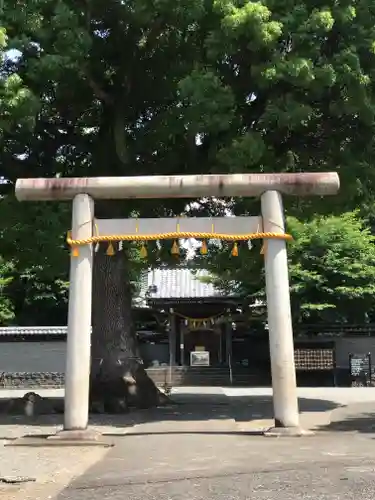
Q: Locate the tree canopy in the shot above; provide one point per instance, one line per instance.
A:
(170, 87)
(125, 87)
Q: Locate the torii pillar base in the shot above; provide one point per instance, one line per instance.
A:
(84, 437)
(287, 432)
(64, 438)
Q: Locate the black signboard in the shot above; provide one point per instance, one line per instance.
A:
(360, 367)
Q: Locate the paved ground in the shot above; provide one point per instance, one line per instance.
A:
(206, 448)
(230, 467)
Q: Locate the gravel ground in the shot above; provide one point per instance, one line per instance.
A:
(51, 468)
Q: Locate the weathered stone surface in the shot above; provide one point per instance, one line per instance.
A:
(26, 380)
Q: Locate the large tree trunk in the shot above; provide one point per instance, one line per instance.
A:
(118, 378)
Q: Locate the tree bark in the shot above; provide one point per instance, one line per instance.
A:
(118, 378)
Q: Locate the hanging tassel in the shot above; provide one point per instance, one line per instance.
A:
(75, 252)
(235, 249)
(110, 250)
(249, 244)
(263, 250)
(175, 250)
(143, 251)
(204, 248)
(97, 247)
(120, 245)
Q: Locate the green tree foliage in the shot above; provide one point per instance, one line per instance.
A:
(331, 264)
(32, 240)
(125, 87)
(18, 104)
(332, 268)
(161, 86)
(6, 305)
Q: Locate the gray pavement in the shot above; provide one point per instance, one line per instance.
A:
(323, 480)
(228, 466)
(207, 447)
(201, 450)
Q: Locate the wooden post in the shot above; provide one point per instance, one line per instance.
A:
(172, 345)
(172, 338)
(182, 346)
(228, 342)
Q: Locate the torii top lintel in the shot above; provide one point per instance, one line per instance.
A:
(178, 186)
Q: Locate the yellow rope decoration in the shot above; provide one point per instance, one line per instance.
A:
(143, 251)
(175, 250)
(209, 318)
(204, 249)
(235, 238)
(110, 250)
(198, 322)
(181, 235)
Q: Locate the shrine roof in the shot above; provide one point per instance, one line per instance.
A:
(167, 283)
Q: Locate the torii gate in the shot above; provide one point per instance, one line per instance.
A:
(270, 188)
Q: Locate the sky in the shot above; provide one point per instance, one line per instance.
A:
(12, 54)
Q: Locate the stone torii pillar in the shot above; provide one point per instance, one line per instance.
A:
(270, 187)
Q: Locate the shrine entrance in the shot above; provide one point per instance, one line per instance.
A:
(88, 231)
(202, 341)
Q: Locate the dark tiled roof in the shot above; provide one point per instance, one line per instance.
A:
(30, 331)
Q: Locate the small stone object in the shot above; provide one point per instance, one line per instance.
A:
(16, 479)
(36, 405)
(30, 405)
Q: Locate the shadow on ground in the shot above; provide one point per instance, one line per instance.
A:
(362, 422)
(189, 408)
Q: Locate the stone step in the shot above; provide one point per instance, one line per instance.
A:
(181, 376)
(206, 376)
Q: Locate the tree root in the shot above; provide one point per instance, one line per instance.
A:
(118, 388)
(130, 398)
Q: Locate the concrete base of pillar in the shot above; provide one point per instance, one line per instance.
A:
(85, 437)
(86, 434)
(287, 432)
